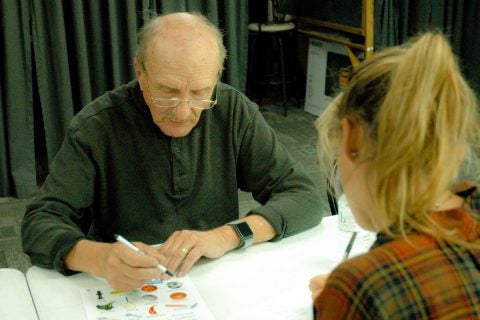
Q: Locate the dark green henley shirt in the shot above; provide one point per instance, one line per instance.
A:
(116, 172)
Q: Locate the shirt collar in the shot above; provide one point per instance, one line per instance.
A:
(465, 220)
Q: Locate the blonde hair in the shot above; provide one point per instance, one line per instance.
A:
(156, 25)
(421, 116)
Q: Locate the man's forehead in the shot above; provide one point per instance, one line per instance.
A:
(192, 70)
(183, 37)
(179, 51)
(181, 75)
(178, 83)
(189, 67)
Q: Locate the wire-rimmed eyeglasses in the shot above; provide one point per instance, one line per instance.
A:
(203, 104)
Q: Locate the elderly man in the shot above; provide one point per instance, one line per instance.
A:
(173, 180)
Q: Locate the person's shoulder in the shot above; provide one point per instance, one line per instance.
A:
(471, 193)
(232, 100)
(109, 101)
(357, 268)
(387, 258)
(403, 252)
(226, 89)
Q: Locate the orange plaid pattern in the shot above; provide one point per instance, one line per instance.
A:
(413, 278)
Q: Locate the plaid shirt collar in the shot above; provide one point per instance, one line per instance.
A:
(466, 222)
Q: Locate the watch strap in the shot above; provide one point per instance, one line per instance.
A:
(245, 234)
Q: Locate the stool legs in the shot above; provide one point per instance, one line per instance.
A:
(284, 81)
(279, 75)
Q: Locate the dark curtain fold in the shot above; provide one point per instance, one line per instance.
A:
(236, 25)
(49, 38)
(470, 43)
(17, 157)
(81, 49)
(386, 24)
(59, 55)
(397, 20)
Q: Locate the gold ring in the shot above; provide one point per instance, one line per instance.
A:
(184, 252)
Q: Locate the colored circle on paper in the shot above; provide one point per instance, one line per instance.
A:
(174, 285)
(129, 306)
(149, 297)
(149, 288)
(178, 295)
(152, 310)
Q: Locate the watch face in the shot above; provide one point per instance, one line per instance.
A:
(244, 229)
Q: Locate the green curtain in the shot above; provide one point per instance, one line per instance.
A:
(81, 49)
(470, 43)
(59, 55)
(397, 20)
(17, 157)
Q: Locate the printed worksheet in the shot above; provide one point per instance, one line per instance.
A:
(175, 299)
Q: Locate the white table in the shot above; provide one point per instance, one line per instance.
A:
(15, 299)
(266, 281)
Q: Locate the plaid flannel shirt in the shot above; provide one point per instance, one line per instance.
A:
(413, 278)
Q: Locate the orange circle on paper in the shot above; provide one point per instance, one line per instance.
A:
(178, 295)
(149, 288)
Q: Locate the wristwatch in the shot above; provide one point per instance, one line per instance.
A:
(244, 233)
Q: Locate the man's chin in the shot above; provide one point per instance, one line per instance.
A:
(175, 131)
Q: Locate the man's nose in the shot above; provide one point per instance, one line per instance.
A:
(182, 111)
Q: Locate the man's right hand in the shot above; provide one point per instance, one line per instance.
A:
(123, 268)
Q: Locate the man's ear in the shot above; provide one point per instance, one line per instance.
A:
(352, 138)
(138, 71)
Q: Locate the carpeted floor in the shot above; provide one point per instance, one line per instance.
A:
(296, 132)
(11, 254)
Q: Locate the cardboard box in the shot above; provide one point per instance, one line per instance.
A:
(325, 62)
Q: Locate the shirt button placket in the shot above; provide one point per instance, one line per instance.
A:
(178, 150)
(178, 166)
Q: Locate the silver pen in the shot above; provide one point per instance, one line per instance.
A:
(349, 246)
(121, 239)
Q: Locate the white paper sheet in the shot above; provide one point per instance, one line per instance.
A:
(176, 299)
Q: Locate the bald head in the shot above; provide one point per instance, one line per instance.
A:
(180, 33)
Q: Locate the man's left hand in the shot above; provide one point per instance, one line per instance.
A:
(184, 248)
